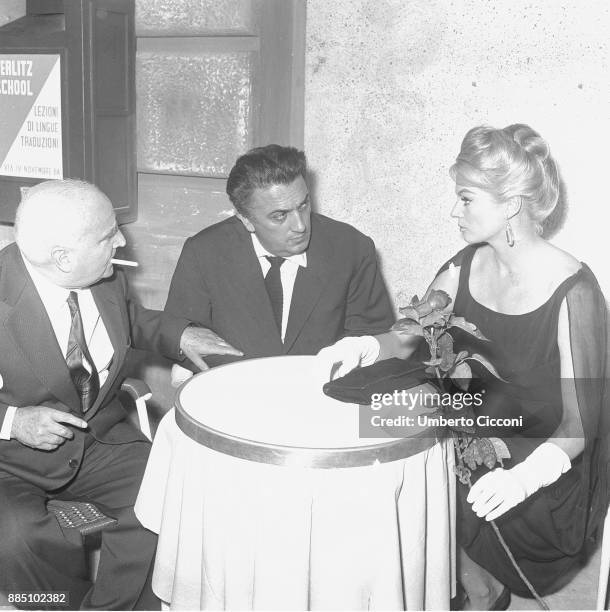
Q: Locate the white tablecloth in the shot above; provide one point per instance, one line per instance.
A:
(241, 535)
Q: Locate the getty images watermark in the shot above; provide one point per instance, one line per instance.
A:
(412, 412)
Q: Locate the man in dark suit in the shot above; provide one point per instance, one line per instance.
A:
(276, 278)
(66, 324)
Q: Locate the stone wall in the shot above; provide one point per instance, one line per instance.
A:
(393, 85)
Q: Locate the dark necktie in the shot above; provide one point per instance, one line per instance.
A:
(273, 283)
(87, 383)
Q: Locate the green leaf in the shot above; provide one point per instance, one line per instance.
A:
(445, 342)
(501, 449)
(466, 326)
(463, 474)
(408, 326)
(423, 308)
(447, 362)
(433, 362)
(463, 442)
(484, 451)
(472, 456)
(488, 453)
(461, 375)
(484, 361)
(409, 312)
(434, 317)
(445, 347)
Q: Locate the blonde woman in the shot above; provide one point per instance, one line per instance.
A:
(545, 317)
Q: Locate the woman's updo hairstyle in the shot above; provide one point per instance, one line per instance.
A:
(513, 162)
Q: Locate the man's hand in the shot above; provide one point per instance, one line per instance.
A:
(198, 341)
(40, 427)
(347, 354)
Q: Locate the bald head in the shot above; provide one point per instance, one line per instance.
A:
(61, 224)
(56, 213)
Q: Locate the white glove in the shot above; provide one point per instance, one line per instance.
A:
(500, 490)
(347, 354)
(179, 375)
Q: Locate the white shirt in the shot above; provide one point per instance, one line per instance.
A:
(54, 300)
(288, 275)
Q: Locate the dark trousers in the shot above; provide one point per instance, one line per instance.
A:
(36, 555)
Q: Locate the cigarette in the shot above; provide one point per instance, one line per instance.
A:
(124, 262)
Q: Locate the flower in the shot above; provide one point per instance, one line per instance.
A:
(432, 319)
(438, 299)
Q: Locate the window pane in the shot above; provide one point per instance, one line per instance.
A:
(176, 17)
(194, 111)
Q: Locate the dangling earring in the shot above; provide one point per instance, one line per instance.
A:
(510, 237)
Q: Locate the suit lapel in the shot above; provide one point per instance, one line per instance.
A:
(310, 283)
(30, 327)
(107, 302)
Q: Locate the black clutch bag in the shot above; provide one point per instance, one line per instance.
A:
(386, 376)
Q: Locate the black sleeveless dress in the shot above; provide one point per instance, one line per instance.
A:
(547, 531)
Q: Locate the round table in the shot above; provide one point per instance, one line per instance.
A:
(265, 497)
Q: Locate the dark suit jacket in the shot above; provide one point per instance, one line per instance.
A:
(34, 371)
(218, 283)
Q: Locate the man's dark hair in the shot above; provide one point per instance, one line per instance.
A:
(261, 168)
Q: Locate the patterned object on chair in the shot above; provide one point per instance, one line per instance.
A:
(83, 516)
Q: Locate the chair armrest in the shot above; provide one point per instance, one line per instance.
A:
(136, 389)
(139, 392)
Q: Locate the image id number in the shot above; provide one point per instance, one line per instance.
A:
(49, 598)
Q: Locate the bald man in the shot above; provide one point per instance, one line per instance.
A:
(66, 324)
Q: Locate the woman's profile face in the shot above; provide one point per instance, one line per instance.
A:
(480, 216)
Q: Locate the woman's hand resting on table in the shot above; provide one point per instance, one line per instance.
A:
(347, 354)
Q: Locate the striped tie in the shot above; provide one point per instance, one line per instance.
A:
(87, 383)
